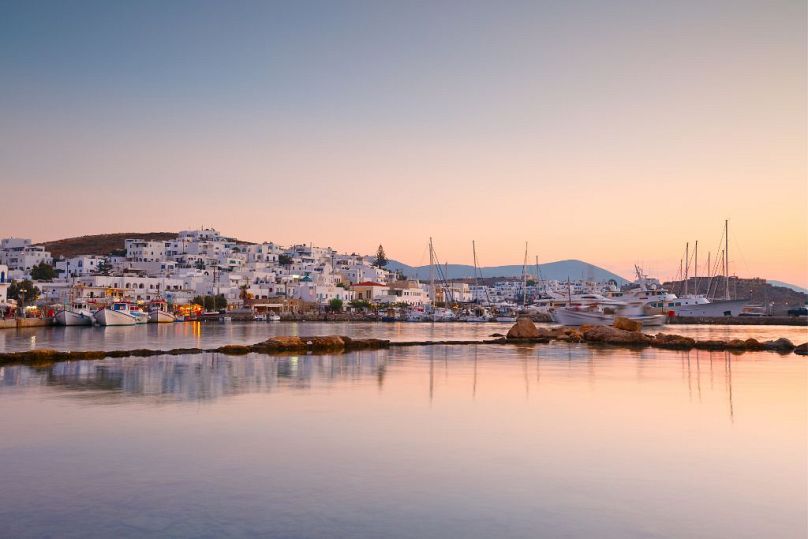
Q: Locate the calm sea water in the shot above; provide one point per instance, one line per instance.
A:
(463, 441)
(213, 334)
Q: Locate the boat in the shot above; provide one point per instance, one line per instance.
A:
(581, 317)
(73, 316)
(140, 316)
(260, 318)
(271, 317)
(159, 313)
(117, 314)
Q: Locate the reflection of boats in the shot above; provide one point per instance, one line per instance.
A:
(118, 314)
(73, 316)
(159, 313)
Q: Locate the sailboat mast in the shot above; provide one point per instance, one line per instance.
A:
(726, 256)
(524, 279)
(696, 270)
(474, 252)
(687, 264)
(432, 274)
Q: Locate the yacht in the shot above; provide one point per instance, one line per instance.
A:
(117, 314)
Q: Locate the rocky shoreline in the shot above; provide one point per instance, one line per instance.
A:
(626, 334)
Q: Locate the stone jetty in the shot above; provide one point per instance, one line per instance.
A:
(625, 333)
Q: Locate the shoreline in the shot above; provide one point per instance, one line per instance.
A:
(789, 321)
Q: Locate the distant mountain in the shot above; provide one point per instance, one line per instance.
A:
(793, 287)
(561, 270)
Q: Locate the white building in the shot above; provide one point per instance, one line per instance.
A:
(4, 283)
(19, 254)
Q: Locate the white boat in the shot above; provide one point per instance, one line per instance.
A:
(505, 319)
(73, 317)
(273, 317)
(581, 317)
(159, 313)
(140, 316)
(118, 314)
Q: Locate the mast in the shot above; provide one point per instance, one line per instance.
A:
(696, 270)
(432, 274)
(474, 252)
(726, 256)
(687, 264)
(524, 279)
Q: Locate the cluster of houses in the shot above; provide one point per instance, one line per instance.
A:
(205, 263)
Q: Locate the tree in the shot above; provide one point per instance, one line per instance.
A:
(104, 267)
(199, 300)
(43, 272)
(360, 304)
(335, 305)
(244, 293)
(381, 258)
(284, 260)
(220, 302)
(18, 289)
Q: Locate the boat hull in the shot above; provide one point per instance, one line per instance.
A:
(733, 307)
(72, 318)
(569, 317)
(161, 317)
(108, 317)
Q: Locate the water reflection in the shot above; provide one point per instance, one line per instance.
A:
(196, 377)
(212, 376)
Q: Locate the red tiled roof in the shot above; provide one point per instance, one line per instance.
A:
(368, 283)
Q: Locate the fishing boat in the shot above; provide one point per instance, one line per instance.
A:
(75, 315)
(604, 314)
(159, 313)
(117, 314)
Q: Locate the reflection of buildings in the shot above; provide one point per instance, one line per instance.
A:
(199, 377)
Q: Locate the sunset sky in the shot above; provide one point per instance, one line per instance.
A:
(611, 132)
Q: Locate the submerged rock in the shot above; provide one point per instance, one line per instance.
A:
(677, 342)
(627, 324)
(612, 335)
(780, 345)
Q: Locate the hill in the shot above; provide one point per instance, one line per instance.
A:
(105, 244)
(560, 270)
(99, 244)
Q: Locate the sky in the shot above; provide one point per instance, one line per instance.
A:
(611, 132)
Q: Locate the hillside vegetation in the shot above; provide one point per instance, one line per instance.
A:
(99, 244)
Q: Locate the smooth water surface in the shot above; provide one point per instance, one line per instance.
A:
(214, 334)
(461, 441)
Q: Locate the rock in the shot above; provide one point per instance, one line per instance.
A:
(736, 344)
(627, 324)
(802, 350)
(611, 335)
(677, 342)
(780, 345)
(711, 345)
(234, 350)
(496, 335)
(524, 328)
(753, 344)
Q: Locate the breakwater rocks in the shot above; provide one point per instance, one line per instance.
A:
(628, 333)
(523, 332)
